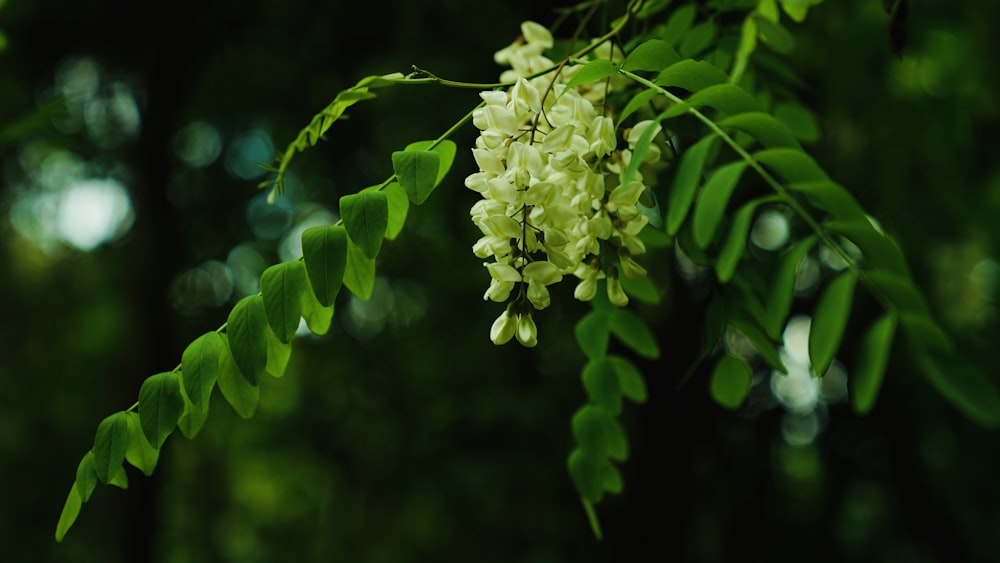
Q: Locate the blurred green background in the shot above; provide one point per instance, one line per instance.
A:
(130, 137)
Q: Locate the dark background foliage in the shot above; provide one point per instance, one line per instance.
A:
(405, 435)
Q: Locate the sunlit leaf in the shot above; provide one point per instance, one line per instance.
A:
(691, 75)
(779, 301)
(278, 354)
(965, 385)
(247, 331)
(712, 201)
(598, 433)
(651, 55)
(730, 381)
(160, 405)
(318, 318)
(140, 453)
(596, 69)
(324, 250)
(239, 392)
(601, 383)
(71, 509)
(193, 417)
(283, 288)
(399, 206)
(201, 367)
(630, 380)
(365, 216)
(829, 321)
(592, 334)
(633, 332)
(110, 445)
(686, 181)
(873, 357)
(359, 277)
(86, 476)
(120, 479)
(769, 131)
(417, 173)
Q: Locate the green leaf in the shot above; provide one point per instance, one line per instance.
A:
(140, 453)
(71, 509)
(278, 354)
(873, 357)
(201, 366)
(633, 332)
(120, 479)
(897, 289)
(829, 322)
(110, 445)
(612, 479)
(324, 250)
(193, 418)
(679, 23)
(601, 382)
(359, 277)
(879, 250)
(797, 9)
(775, 36)
(791, 164)
(800, 121)
(779, 301)
(965, 385)
(769, 131)
(730, 381)
(832, 198)
(652, 55)
(637, 101)
(239, 392)
(736, 241)
(365, 216)
(727, 98)
(691, 75)
(760, 342)
(592, 334)
(598, 433)
(925, 333)
(594, 70)
(686, 181)
(585, 469)
(318, 318)
(247, 332)
(748, 44)
(445, 150)
(629, 379)
(417, 173)
(698, 39)
(399, 206)
(713, 200)
(643, 289)
(283, 288)
(86, 476)
(160, 406)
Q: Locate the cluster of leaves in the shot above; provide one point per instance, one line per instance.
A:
(738, 138)
(256, 339)
(742, 153)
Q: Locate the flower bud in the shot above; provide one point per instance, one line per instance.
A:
(527, 332)
(503, 328)
(616, 295)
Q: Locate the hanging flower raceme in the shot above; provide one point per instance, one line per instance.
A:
(551, 176)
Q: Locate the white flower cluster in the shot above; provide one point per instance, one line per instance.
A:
(551, 173)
